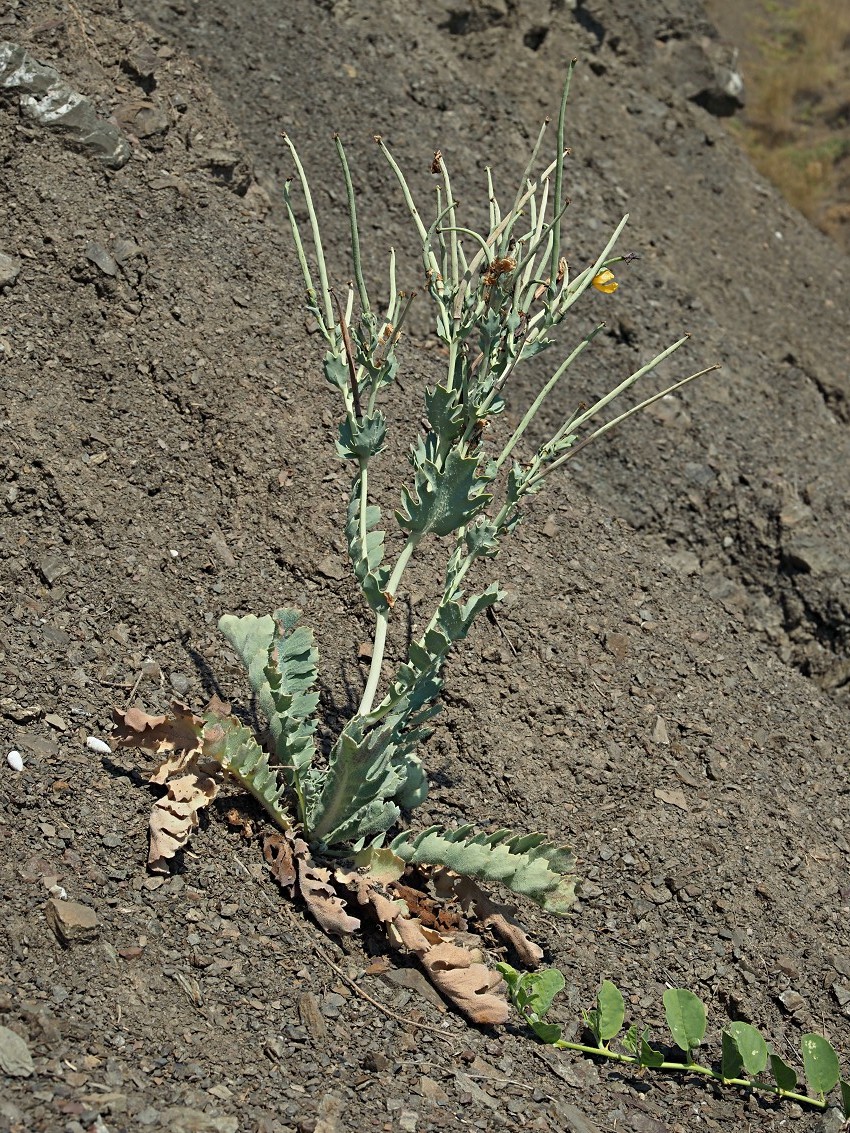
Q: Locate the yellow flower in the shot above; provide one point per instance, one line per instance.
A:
(604, 281)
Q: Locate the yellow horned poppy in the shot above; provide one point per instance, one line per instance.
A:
(604, 281)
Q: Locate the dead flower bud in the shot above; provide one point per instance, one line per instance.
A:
(497, 269)
(437, 163)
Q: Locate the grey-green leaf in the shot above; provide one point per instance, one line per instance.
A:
(444, 498)
(685, 1018)
(525, 863)
(820, 1063)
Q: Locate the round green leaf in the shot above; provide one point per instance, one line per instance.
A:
(541, 988)
(685, 1017)
(731, 1063)
(845, 1097)
(612, 1010)
(820, 1063)
(783, 1075)
(751, 1046)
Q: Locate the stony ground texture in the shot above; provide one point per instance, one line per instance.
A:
(669, 688)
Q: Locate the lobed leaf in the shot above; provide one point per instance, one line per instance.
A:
(446, 495)
(685, 1018)
(235, 749)
(525, 863)
(360, 440)
(367, 555)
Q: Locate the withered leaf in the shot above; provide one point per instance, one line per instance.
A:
(322, 899)
(178, 731)
(479, 993)
(491, 914)
(278, 852)
(175, 816)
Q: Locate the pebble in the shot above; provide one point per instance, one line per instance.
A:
(100, 746)
(15, 760)
(71, 921)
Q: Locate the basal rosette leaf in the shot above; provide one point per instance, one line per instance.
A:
(293, 672)
(525, 863)
(234, 748)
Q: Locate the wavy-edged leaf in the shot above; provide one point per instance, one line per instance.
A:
(235, 749)
(291, 673)
(685, 1017)
(820, 1063)
(751, 1047)
(175, 816)
(367, 555)
(289, 703)
(783, 1075)
(525, 863)
(444, 497)
(359, 440)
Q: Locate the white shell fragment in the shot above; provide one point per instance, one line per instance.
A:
(15, 760)
(100, 746)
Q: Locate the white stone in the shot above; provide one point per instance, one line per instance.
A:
(15, 760)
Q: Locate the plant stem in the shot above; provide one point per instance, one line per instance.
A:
(381, 624)
(692, 1068)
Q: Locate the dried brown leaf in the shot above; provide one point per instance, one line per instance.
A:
(174, 739)
(491, 914)
(278, 852)
(322, 899)
(175, 816)
(458, 973)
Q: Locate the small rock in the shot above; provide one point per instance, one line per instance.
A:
(791, 1001)
(311, 1016)
(659, 734)
(330, 567)
(72, 922)
(786, 964)
(10, 269)
(53, 567)
(15, 760)
(376, 1061)
(180, 683)
(15, 1057)
(100, 746)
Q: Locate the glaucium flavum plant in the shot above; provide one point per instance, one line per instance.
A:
(497, 296)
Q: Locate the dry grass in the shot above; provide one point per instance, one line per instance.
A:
(795, 56)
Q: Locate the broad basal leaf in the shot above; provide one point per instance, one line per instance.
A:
(525, 863)
(236, 751)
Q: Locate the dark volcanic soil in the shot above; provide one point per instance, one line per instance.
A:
(677, 704)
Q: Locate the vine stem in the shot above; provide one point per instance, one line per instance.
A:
(693, 1068)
